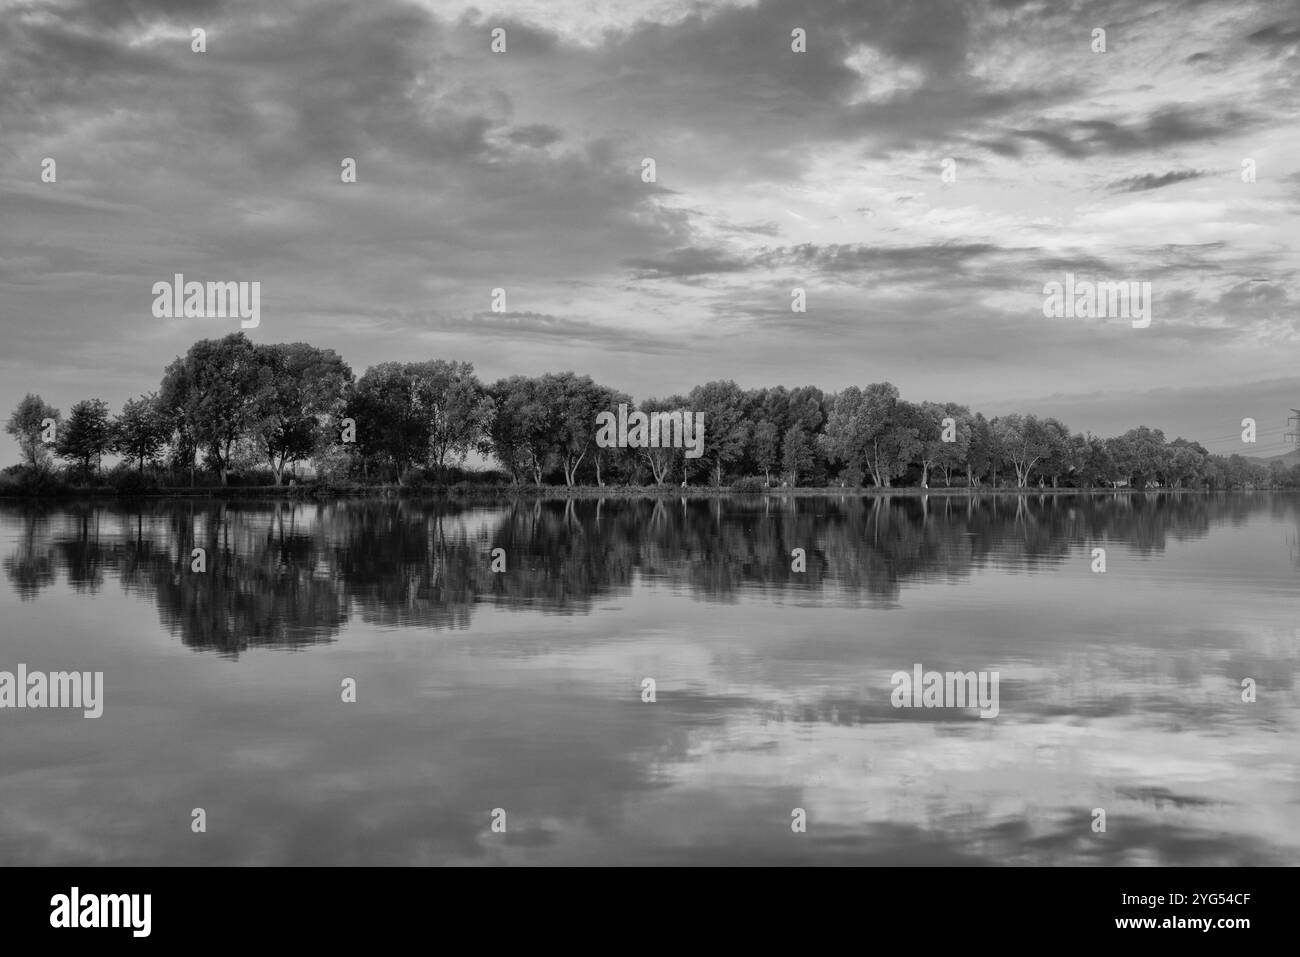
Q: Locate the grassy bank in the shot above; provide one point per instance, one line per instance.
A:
(318, 492)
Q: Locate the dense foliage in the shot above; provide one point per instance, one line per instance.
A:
(234, 412)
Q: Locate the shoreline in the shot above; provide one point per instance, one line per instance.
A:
(335, 492)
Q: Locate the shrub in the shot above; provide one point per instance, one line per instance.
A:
(127, 480)
(418, 477)
(31, 480)
(748, 485)
(252, 477)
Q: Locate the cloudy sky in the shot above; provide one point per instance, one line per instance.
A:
(775, 169)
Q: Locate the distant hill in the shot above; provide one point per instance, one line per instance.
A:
(1286, 458)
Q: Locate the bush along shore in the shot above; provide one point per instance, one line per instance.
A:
(235, 418)
(55, 488)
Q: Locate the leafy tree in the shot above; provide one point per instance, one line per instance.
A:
(615, 457)
(417, 412)
(867, 427)
(1061, 456)
(1023, 440)
(663, 460)
(796, 453)
(519, 431)
(983, 453)
(1094, 464)
(951, 456)
(572, 404)
(214, 395)
(87, 435)
(459, 410)
(726, 432)
(306, 390)
(927, 418)
(140, 431)
(26, 425)
(1185, 463)
(392, 430)
(765, 447)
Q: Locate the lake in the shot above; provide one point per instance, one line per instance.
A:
(519, 697)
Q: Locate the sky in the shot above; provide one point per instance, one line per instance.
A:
(523, 170)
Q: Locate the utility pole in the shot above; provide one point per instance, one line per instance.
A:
(1294, 435)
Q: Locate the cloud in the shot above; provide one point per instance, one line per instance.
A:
(1147, 181)
(536, 135)
(522, 170)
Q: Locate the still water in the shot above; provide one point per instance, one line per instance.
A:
(522, 690)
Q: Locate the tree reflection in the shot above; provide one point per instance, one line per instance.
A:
(289, 575)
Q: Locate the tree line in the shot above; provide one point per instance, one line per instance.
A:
(233, 408)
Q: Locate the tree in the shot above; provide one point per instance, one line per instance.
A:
(1094, 462)
(519, 431)
(1138, 455)
(1024, 440)
(663, 459)
(87, 435)
(306, 391)
(846, 436)
(765, 447)
(1186, 462)
(27, 425)
(953, 455)
(867, 427)
(572, 403)
(392, 430)
(1277, 473)
(615, 457)
(892, 440)
(140, 431)
(726, 432)
(417, 412)
(806, 409)
(983, 453)
(1060, 458)
(796, 453)
(927, 418)
(214, 395)
(458, 407)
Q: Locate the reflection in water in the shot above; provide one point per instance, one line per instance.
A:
(521, 689)
(290, 574)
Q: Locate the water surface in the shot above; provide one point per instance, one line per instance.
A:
(522, 690)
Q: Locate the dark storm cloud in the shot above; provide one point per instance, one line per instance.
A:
(1165, 127)
(536, 135)
(686, 262)
(852, 258)
(1283, 34)
(522, 170)
(1148, 181)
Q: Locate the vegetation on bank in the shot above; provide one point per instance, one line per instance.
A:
(231, 416)
(19, 485)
